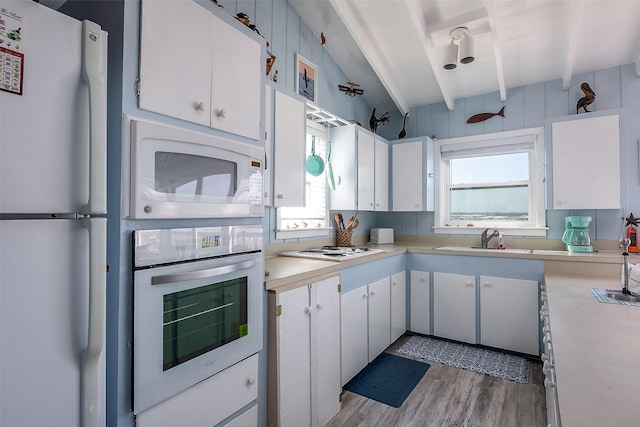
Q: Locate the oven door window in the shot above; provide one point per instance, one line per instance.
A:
(199, 320)
(190, 177)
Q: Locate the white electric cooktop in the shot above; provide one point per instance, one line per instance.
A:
(333, 253)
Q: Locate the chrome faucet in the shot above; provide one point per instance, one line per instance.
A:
(484, 239)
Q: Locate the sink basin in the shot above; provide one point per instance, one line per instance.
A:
(617, 294)
(489, 250)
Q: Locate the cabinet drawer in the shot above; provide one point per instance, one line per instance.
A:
(208, 402)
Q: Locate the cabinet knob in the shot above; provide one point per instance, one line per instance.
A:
(280, 196)
(372, 293)
(486, 285)
(319, 306)
(417, 205)
(423, 279)
(469, 284)
(221, 114)
(251, 381)
(365, 296)
(201, 106)
(307, 310)
(371, 204)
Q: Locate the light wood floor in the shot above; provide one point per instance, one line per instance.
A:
(449, 396)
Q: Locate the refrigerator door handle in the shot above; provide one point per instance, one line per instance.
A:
(92, 66)
(91, 374)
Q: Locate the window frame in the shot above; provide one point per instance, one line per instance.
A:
(536, 226)
(288, 233)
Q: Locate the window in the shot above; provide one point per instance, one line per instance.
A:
(312, 219)
(492, 181)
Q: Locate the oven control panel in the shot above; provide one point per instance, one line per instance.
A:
(164, 246)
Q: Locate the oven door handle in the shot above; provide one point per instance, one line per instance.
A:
(202, 274)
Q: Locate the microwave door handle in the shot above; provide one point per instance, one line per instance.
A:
(202, 274)
(92, 42)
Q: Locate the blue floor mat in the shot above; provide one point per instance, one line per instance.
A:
(388, 379)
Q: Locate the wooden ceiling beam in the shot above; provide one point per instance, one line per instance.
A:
(574, 22)
(417, 16)
(368, 48)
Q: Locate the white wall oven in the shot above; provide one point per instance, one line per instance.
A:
(198, 305)
(177, 173)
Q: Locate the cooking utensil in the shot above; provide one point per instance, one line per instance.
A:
(336, 218)
(352, 220)
(341, 221)
(332, 183)
(315, 164)
(355, 224)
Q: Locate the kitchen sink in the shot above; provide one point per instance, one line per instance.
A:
(617, 294)
(489, 250)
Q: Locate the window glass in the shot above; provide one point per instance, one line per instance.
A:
(492, 180)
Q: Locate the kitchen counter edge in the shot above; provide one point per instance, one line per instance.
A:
(290, 271)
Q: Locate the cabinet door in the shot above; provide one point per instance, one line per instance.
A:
(407, 172)
(175, 72)
(353, 327)
(326, 329)
(236, 77)
(398, 305)
(580, 149)
(289, 151)
(509, 314)
(343, 162)
(379, 317)
(366, 172)
(454, 307)
(420, 302)
(381, 175)
(294, 357)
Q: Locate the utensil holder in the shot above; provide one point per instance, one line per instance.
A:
(343, 237)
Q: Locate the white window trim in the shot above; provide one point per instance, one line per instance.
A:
(536, 197)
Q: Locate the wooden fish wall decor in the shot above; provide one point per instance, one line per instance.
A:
(587, 99)
(477, 118)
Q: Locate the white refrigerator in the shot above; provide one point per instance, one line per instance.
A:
(52, 223)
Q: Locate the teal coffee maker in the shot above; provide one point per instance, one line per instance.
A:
(576, 234)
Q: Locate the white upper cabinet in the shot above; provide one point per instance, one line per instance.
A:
(412, 176)
(175, 72)
(289, 136)
(381, 176)
(586, 163)
(360, 162)
(196, 67)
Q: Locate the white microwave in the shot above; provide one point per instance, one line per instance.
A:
(177, 173)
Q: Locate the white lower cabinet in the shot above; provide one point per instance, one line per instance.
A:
(509, 314)
(419, 305)
(304, 354)
(379, 317)
(454, 307)
(398, 305)
(366, 322)
(353, 327)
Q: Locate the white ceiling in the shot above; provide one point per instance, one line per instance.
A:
(394, 48)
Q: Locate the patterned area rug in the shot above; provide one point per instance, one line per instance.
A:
(480, 360)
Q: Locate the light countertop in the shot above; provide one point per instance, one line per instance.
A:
(287, 271)
(597, 354)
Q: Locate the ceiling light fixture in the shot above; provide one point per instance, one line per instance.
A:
(450, 56)
(467, 55)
